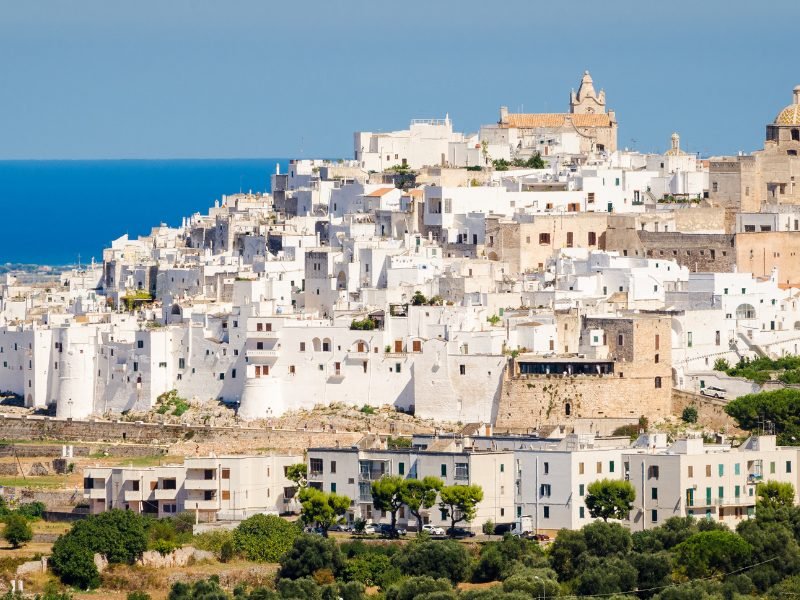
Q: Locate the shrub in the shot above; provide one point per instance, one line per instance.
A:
(138, 596)
(437, 559)
(73, 562)
(308, 554)
(414, 587)
(32, 510)
(18, 531)
(212, 541)
(488, 527)
(226, 551)
(689, 414)
(264, 538)
(368, 410)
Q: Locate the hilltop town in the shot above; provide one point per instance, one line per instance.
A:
(529, 309)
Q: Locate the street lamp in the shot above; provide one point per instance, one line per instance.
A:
(544, 588)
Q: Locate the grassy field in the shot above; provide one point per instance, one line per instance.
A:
(41, 481)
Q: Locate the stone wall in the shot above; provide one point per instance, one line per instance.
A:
(229, 439)
(541, 401)
(710, 411)
(699, 252)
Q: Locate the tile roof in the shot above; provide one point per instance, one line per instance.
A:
(380, 192)
(532, 120)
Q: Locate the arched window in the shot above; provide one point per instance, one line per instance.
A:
(745, 311)
(316, 344)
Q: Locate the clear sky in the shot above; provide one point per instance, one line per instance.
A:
(257, 78)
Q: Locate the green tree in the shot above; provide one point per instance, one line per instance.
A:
(264, 538)
(781, 407)
(297, 474)
(567, 552)
(536, 162)
(610, 498)
(536, 583)
(18, 531)
(653, 571)
(118, 535)
(774, 494)
(418, 299)
(321, 509)
(775, 553)
(438, 559)
(606, 576)
(309, 554)
(387, 495)
(74, 564)
(689, 414)
(711, 553)
(419, 587)
(420, 494)
(460, 502)
(605, 539)
(488, 527)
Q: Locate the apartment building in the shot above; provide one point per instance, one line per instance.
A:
(214, 487)
(351, 472)
(690, 478)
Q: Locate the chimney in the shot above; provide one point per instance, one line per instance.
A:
(503, 115)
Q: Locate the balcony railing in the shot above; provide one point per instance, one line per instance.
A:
(735, 501)
(371, 475)
(262, 354)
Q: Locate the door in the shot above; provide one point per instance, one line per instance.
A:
(398, 345)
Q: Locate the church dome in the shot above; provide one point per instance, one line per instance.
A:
(791, 114)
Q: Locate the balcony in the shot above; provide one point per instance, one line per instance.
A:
(315, 475)
(165, 494)
(251, 354)
(736, 501)
(262, 335)
(191, 504)
(201, 484)
(370, 474)
(136, 495)
(95, 493)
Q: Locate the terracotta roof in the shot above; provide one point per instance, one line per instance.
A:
(532, 120)
(416, 193)
(379, 192)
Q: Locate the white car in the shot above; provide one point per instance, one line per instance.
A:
(433, 529)
(714, 392)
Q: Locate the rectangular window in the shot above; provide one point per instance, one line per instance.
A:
(544, 238)
(654, 493)
(443, 471)
(333, 487)
(462, 369)
(721, 470)
(580, 468)
(736, 469)
(592, 238)
(581, 512)
(569, 239)
(581, 490)
(168, 484)
(315, 466)
(654, 516)
(772, 467)
(302, 346)
(226, 494)
(401, 468)
(226, 473)
(658, 383)
(599, 467)
(658, 341)
(333, 466)
(611, 466)
(691, 471)
(788, 466)
(708, 470)
(652, 472)
(546, 512)
(544, 489)
(720, 492)
(546, 468)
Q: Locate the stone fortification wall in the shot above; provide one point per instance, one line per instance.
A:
(227, 439)
(699, 252)
(541, 401)
(710, 411)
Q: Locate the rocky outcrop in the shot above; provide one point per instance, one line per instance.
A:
(177, 558)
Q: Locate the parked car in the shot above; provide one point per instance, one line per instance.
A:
(714, 392)
(343, 527)
(314, 530)
(433, 529)
(369, 529)
(386, 529)
(459, 532)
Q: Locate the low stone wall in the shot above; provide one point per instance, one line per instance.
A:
(232, 439)
(710, 411)
(52, 499)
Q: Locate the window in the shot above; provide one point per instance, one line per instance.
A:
(315, 466)
(502, 467)
(135, 486)
(580, 468)
(569, 239)
(226, 494)
(620, 340)
(544, 238)
(599, 467)
(226, 473)
(291, 370)
(592, 238)
(658, 383)
(708, 470)
(401, 468)
(581, 490)
(139, 344)
(462, 471)
(443, 471)
(788, 466)
(691, 471)
(689, 339)
(654, 516)
(656, 359)
(736, 469)
(546, 512)
(652, 472)
(720, 492)
(462, 369)
(611, 466)
(221, 376)
(333, 487)
(581, 512)
(544, 489)
(302, 346)
(168, 484)
(546, 468)
(181, 363)
(658, 341)
(772, 467)
(396, 367)
(654, 493)
(333, 466)
(721, 470)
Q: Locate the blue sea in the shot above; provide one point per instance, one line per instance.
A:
(54, 211)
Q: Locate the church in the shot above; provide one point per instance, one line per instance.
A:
(589, 127)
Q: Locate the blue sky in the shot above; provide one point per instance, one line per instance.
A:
(255, 78)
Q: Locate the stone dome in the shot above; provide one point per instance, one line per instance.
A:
(791, 114)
